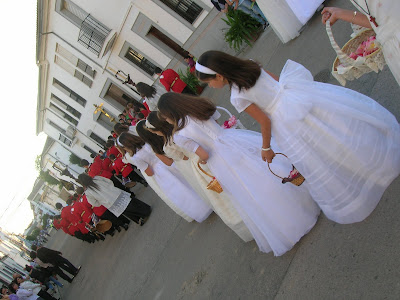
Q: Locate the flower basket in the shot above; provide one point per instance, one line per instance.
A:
(214, 185)
(294, 176)
(232, 122)
(346, 68)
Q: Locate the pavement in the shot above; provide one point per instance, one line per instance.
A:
(169, 258)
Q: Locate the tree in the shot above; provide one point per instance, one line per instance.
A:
(38, 161)
(44, 220)
(45, 176)
(30, 238)
(74, 159)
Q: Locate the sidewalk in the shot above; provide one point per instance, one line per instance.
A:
(169, 258)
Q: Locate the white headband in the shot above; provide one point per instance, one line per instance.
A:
(119, 143)
(204, 69)
(148, 125)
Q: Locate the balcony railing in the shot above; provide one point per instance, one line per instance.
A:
(93, 34)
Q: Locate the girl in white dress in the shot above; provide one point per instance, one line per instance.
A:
(382, 17)
(167, 182)
(277, 216)
(344, 143)
(186, 153)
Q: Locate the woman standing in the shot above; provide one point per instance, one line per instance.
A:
(101, 191)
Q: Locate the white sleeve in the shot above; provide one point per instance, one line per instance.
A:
(139, 163)
(240, 103)
(185, 143)
(24, 293)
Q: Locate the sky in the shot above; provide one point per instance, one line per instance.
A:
(20, 144)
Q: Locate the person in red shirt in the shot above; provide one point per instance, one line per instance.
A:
(172, 82)
(110, 144)
(103, 213)
(99, 168)
(126, 170)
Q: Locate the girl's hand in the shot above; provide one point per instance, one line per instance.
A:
(149, 171)
(185, 157)
(267, 155)
(332, 14)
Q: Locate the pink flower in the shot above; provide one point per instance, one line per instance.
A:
(230, 122)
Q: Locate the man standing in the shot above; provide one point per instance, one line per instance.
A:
(54, 257)
(172, 82)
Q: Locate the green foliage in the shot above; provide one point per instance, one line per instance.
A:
(190, 79)
(45, 176)
(242, 28)
(44, 220)
(73, 159)
(30, 238)
(37, 162)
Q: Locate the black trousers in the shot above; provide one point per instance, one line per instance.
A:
(117, 222)
(45, 295)
(60, 273)
(137, 209)
(66, 265)
(118, 184)
(136, 177)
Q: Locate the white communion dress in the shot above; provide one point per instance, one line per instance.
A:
(276, 215)
(220, 202)
(170, 186)
(344, 143)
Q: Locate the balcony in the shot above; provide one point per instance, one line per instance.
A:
(93, 34)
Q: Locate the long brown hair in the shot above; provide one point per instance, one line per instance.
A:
(161, 125)
(156, 142)
(177, 107)
(87, 181)
(145, 89)
(243, 73)
(120, 128)
(131, 143)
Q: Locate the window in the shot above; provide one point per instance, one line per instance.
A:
(58, 128)
(92, 33)
(85, 68)
(65, 140)
(104, 121)
(139, 60)
(65, 106)
(66, 90)
(187, 9)
(98, 139)
(75, 61)
(63, 114)
(88, 149)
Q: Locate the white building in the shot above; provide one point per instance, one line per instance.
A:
(81, 44)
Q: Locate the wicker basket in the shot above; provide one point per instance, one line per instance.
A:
(103, 226)
(354, 69)
(296, 181)
(214, 184)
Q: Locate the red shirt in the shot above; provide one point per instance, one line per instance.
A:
(82, 228)
(57, 224)
(121, 167)
(81, 211)
(99, 210)
(68, 214)
(115, 151)
(84, 201)
(171, 81)
(107, 164)
(96, 169)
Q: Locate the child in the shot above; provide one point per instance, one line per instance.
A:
(186, 154)
(170, 186)
(126, 170)
(344, 143)
(276, 215)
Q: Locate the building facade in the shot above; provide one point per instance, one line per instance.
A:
(81, 46)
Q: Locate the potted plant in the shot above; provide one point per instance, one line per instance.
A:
(243, 29)
(191, 80)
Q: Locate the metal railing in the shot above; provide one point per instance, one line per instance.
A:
(93, 34)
